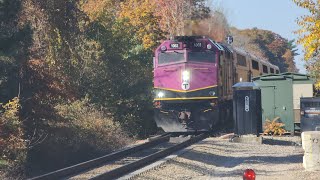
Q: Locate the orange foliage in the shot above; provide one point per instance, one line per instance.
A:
(95, 8)
(173, 15)
(273, 127)
(140, 16)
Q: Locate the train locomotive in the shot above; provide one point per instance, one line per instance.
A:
(193, 78)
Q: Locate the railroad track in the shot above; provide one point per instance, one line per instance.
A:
(117, 164)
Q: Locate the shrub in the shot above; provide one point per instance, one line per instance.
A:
(273, 127)
(90, 126)
(80, 133)
(12, 144)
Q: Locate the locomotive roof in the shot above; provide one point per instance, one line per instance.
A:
(224, 47)
(187, 38)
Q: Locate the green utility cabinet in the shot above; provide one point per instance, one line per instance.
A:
(280, 96)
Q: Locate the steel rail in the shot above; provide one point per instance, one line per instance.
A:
(118, 172)
(71, 170)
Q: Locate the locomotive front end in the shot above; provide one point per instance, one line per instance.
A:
(185, 84)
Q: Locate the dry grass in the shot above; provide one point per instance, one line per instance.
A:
(273, 127)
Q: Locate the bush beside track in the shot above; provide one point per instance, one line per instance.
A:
(82, 133)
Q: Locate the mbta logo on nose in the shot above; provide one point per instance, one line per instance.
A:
(185, 86)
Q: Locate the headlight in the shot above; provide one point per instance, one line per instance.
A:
(185, 76)
(160, 94)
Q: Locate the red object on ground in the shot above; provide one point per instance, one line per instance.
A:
(249, 174)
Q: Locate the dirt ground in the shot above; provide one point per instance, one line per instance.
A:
(217, 158)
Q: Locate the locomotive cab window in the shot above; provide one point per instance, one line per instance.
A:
(170, 57)
(241, 60)
(202, 56)
(264, 69)
(255, 65)
(277, 71)
(272, 70)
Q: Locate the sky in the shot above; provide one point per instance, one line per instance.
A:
(278, 16)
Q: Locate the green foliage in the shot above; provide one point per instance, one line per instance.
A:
(124, 74)
(273, 127)
(13, 41)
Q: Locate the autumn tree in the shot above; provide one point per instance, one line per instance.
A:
(309, 35)
(310, 27)
(141, 16)
(177, 17)
(269, 45)
(215, 26)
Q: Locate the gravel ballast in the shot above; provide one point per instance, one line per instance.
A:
(216, 158)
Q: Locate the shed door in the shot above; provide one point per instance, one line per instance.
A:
(300, 90)
(268, 103)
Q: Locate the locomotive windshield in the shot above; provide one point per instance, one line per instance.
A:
(207, 56)
(170, 57)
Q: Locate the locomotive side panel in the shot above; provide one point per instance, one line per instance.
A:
(226, 79)
(242, 67)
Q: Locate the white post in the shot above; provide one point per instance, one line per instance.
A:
(311, 146)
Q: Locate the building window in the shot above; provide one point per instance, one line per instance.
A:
(265, 69)
(272, 70)
(241, 60)
(255, 65)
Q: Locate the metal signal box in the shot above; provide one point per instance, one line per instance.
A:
(310, 114)
(247, 109)
(280, 97)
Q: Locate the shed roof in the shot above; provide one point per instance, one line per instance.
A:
(282, 76)
(245, 85)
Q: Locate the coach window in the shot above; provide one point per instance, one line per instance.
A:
(265, 69)
(255, 65)
(206, 56)
(272, 70)
(170, 57)
(241, 60)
